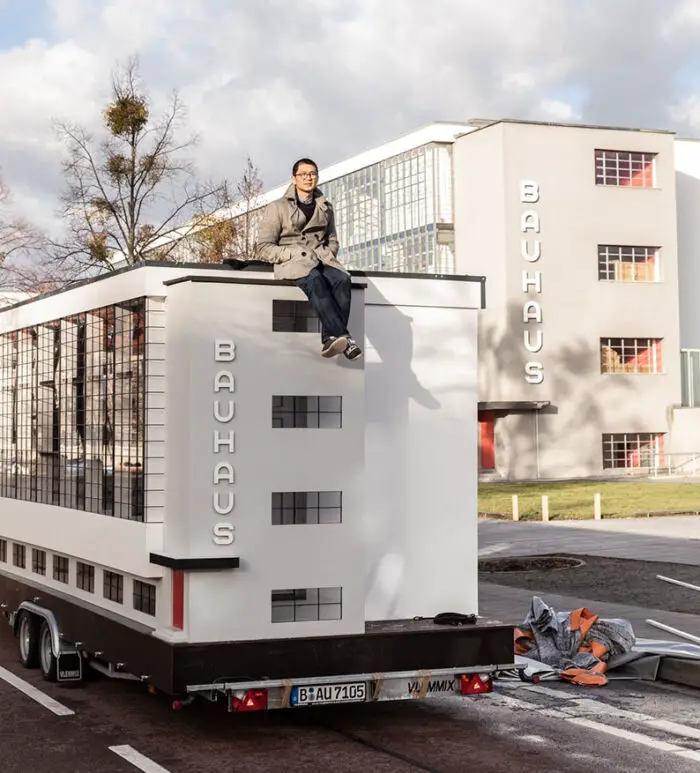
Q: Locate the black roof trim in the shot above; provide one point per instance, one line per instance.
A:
(195, 564)
(514, 405)
(242, 280)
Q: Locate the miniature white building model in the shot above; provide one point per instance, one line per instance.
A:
(173, 449)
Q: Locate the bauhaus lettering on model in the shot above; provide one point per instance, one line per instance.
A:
(224, 498)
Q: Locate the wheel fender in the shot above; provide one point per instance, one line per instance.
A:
(28, 607)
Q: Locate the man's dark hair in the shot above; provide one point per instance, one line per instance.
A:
(303, 161)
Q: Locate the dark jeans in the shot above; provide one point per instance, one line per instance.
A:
(328, 291)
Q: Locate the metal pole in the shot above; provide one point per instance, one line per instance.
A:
(537, 442)
(675, 631)
(678, 582)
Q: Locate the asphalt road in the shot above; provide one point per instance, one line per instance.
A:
(554, 727)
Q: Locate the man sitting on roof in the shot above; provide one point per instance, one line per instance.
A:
(297, 234)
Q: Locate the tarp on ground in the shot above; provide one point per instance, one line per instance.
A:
(577, 645)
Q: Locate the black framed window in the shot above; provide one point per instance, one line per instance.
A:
(19, 555)
(294, 317)
(72, 402)
(145, 597)
(302, 412)
(306, 507)
(307, 605)
(85, 577)
(39, 561)
(3, 551)
(60, 568)
(113, 587)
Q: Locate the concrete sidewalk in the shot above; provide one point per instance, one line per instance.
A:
(666, 539)
(673, 539)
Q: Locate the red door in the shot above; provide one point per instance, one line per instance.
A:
(487, 449)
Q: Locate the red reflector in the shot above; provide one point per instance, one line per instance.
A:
(253, 700)
(473, 684)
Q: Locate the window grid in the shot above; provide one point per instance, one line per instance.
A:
(632, 450)
(618, 263)
(294, 317)
(144, 597)
(631, 355)
(39, 561)
(306, 507)
(60, 569)
(19, 555)
(387, 214)
(85, 577)
(300, 412)
(72, 411)
(623, 168)
(307, 605)
(3, 551)
(113, 586)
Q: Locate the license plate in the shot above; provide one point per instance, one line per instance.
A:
(315, 695)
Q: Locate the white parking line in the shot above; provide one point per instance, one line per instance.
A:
(137, 759)
(570, 710)
(35, 694)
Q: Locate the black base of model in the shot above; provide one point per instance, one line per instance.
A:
(385, 646)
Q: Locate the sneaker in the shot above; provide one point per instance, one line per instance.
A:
(352, 350)
(334, 346)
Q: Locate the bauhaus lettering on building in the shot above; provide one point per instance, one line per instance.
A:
(531, 250)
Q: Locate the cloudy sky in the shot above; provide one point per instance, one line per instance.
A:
(277, 79)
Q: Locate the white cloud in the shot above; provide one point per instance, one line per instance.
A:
(328, 78)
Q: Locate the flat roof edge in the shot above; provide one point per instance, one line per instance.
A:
(566, 125)
(239, 271)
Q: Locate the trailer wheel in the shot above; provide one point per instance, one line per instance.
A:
(47, 660)
(28, 635)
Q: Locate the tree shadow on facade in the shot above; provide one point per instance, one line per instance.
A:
(563, 439)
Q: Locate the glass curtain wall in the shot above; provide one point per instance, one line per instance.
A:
(72, 411)
(396, 215)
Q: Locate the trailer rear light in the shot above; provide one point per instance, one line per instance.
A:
(253, 700)
(476, 684)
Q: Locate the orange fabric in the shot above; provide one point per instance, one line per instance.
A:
(598, 649)
(581, 620)
(585, 678)
(521, 648)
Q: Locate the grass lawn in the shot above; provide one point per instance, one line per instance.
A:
(574, 499)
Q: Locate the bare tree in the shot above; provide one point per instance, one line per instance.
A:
(231, 231)
(133, 195)
(249, 188)
(22, 268)
(16, 234)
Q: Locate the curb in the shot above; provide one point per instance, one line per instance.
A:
(681, 671)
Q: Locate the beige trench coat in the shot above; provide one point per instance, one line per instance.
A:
(293, 246)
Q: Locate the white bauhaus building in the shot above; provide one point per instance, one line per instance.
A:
(589, 243)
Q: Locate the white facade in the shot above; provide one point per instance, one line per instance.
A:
(401, 449)
(423, 204)
(687, 163)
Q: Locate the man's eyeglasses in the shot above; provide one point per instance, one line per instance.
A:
(310, 175)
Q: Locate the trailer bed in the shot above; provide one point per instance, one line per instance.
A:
(403, 646)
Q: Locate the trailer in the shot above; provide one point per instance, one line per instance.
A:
(192, 498)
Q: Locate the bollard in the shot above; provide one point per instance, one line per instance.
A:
(516, 512)
(545, 508)
(597, 512)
